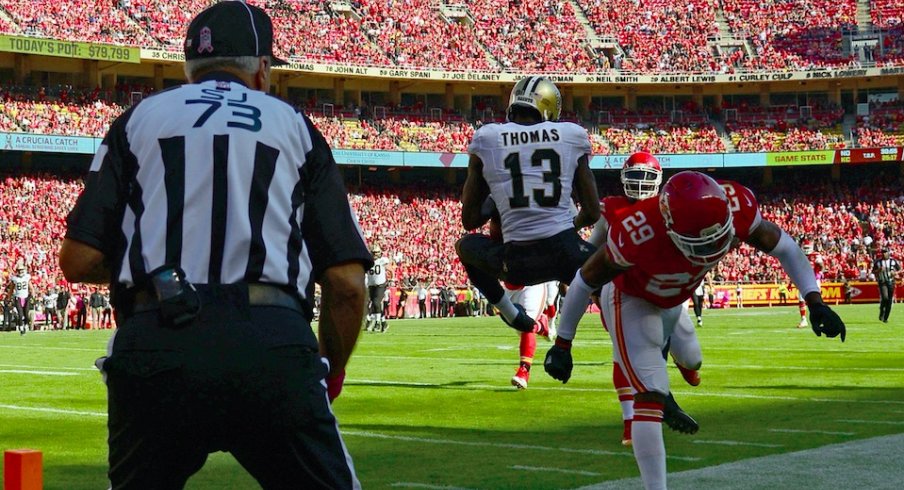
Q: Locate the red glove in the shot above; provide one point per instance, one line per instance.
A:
(334, 385)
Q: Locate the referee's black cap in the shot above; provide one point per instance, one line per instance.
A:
(230, 28)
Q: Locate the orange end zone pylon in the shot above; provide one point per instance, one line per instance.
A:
(23, 470)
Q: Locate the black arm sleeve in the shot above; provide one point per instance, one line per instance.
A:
(329, 226)
(97, 214)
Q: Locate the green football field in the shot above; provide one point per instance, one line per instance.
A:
(429, 404)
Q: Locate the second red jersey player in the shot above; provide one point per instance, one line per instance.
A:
(657, 252)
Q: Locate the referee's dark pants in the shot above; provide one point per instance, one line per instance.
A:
(886, 297)
(243, 379)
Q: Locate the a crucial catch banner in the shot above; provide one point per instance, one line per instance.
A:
(70, 49)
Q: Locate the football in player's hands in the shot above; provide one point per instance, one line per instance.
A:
(558, 363)
(825, 321)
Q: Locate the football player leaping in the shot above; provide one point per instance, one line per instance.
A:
(641, 176)
(530, 166)
(653, 259)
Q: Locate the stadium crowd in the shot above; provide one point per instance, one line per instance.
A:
(846, 223)
(884, 126)
(652, 36)
(73, 111)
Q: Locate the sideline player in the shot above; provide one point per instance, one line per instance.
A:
(652, 261)
(376, 289)
(21, 290)
(531, 165)
(641, 176)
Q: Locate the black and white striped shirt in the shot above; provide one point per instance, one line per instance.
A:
(225, 181)
(886, 269)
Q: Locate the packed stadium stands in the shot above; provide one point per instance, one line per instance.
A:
(417, 225)
(78, 21)
(884, 126)
(658, 35)
(646, 36)
(84, 112)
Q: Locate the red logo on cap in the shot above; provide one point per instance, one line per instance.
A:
(205, 44)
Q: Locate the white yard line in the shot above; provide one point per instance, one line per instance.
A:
(870, 463)
(49, 367)
(480, 386)
(874, 422)
(38, 373)
(403, 484)
(53, 410)
(44, 347)
(544, 469)
(723, 367)
(734, 443)
(425, 440)
(826, 432)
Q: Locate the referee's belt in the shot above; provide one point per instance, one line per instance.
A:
(258, 295)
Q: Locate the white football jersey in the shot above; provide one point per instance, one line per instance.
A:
(20, 284)
(530, 171)
(376, 276)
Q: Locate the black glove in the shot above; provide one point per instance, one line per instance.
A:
(558, 363)
(826, 321)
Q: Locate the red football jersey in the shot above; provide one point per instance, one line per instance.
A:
(612, 207)
(658, 272)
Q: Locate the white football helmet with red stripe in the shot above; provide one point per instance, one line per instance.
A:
(697, 217)
(641, 175)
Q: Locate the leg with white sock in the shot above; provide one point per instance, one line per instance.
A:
(532, 298)
(636, 328)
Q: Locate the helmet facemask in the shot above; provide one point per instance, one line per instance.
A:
(709, 246)
(641, 182)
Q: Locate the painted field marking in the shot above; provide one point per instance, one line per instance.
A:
(39, 373)
(592, 452)
(392, 383)
(481, 386)
(556, 470)
(48, 367)
(875, 422)
(869, 463)
(798, 368)
(736, 443)
(53, 410)
(402, 484)
(43, 347)
(826, 432)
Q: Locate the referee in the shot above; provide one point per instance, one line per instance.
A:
(211, 209)
(886, 269)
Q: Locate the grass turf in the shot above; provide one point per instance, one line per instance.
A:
(429, 405)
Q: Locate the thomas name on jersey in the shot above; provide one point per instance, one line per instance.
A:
(525, 137)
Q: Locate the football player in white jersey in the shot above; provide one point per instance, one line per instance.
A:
(376, 288)
(532, 166)
(21, 291)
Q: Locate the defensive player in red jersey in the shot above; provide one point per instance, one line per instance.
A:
(641, 176)
(653, 260)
